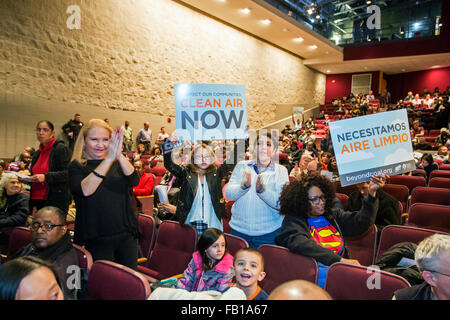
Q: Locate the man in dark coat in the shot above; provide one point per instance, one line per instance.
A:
(51, 241)
(72, 129)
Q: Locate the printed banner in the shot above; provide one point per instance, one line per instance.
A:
(374, 144)
(210, 111)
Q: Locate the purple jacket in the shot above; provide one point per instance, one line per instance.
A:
(219, 278)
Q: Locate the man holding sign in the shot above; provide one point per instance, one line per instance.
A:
(372, 145)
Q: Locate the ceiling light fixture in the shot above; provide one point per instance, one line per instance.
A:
(266, 21)
(299, 39)
(245, 11)
(313, 47)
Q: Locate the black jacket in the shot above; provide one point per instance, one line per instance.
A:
(387, 208)
(294, 233)
(74, 127)
(58, 193)
(417, 292)
(189, 183)
(62, 255)
(15, 212)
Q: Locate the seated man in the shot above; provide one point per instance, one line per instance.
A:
(387, 206)
(51, 241)
(145, 186)
(432, 257)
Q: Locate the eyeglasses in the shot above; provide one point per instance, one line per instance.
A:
(45, 226)
(444, 274)
(317, 200)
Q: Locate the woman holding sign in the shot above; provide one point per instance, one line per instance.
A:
(200, 201)
(313, 228)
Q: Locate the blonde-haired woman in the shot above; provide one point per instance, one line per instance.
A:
(14, 207)
(200, 202)
(100, 177)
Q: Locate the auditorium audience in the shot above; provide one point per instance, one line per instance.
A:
(443, 139)
(127, 136)
(432, 257)
(29, 278)
(427, 163)
(144, 137)
(100, 177)
(50, 184)
(50, 241)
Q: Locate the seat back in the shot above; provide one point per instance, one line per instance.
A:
(174, 246)
(146, 204)
(394, 234)
(409, 181)
(111, 281)
(281, 265)
(84, 257)
(343, 198)
(19, 238)
(444, 166)
(363, 247)
(430, 216)
(439, 182)
(147, 229)
(350, 282)
(430, 195)
(158, 171)
(399, 192)
(234, 243)
(440, 173)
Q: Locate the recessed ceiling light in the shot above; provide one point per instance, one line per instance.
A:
(328, 71)
(245, 11)
(285, 29)
(313, 47)
(403, 70)
(266, 21)
(433, 67)
(299, 39)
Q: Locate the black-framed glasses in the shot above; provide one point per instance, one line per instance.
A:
(317, 200)
(444, 274)
(45, 226)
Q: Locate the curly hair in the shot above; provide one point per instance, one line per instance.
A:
(294, 200)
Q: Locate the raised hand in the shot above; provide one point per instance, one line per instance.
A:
(377, 182)
(246, 180)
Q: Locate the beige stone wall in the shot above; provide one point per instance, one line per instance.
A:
(128, 54)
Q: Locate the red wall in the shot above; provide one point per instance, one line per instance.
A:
(343, 83)
(399, 84)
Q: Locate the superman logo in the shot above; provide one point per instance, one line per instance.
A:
(328, 237)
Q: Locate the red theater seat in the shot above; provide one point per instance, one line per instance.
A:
(281, 265)
(440, 173)
(111, 281)
(175, 244)
(363, 247)
(438, 182)
(409, 181)
(350, 282)
(235, 243)
(430, 216)
(399, 192)
(394, 234)
(430, 195)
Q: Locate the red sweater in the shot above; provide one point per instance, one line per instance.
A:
(41, 167)
(145, 186)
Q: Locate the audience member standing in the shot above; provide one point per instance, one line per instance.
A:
(100, 178)
(72, 129)
(49, 185)
(127, 136)
(144, 136)
(200, 201)
(255, 186)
